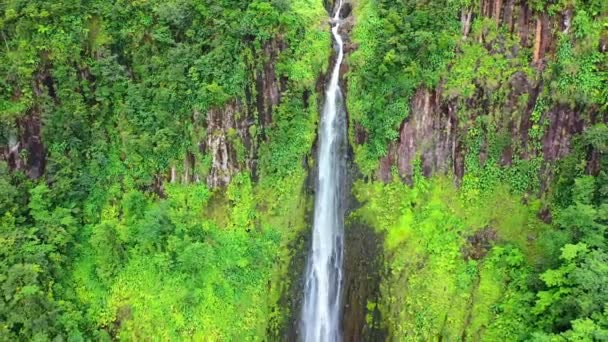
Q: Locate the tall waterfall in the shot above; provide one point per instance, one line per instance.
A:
(323, 282)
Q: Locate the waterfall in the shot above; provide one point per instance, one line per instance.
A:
(323, 281)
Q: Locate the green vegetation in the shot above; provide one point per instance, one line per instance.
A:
(164, 269)
(103, 245)
(516, 250)
(401, 46)
(108, 230)
(481, 265)
(456, 266)
(407, 45)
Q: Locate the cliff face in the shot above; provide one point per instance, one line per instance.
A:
(535, 30)
(24, 149)
(224, 127)
(439, 121)
(430, 132)
(230, 141)
(433, 129)
(173, 102)
(233, 132)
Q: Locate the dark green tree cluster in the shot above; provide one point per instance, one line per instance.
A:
(574, 298)
(36, 236)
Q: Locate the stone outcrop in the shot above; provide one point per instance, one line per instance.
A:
(431, 133)
(229, 139)
(24, 149)
(227, 142)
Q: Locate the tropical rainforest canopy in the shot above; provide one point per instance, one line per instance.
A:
(156, 161)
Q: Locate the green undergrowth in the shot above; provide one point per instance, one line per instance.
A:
(171, 269)
(487, 261)
(455, 264)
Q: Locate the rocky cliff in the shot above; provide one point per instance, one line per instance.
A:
(523, 107)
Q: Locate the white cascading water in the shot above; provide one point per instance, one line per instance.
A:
(323, 282)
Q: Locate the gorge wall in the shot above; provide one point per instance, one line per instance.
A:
(436, 128)
(474, 134)
(511, 75)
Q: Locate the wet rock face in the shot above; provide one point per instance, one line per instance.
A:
(346, 10)
(25, 151)
(563, 124)
(431, 133)
(291, 299)
(330, 5)
(31, 142)
(346, 28)
(434, 134)
(229, 141)
(362, 270)
(226, 128)
(267, 85)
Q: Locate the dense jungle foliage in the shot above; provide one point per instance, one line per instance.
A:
(95, 249)
(101, 103)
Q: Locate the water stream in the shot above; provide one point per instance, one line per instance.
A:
(323, 280)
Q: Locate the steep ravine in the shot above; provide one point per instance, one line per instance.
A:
(363, 258)
(362, 246)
